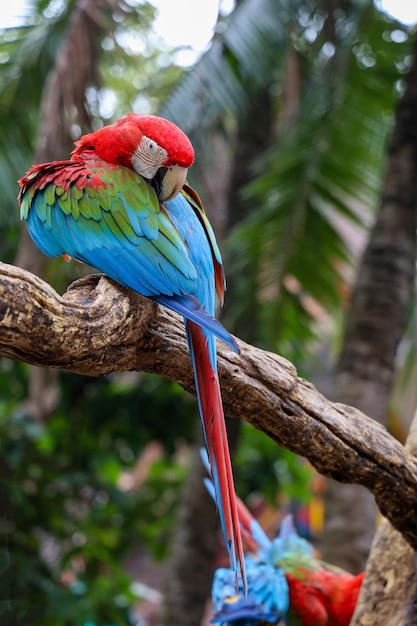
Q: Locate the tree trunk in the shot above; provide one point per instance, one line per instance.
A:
(375, 323)
(389, 593)
(63, 106)
(190, 567)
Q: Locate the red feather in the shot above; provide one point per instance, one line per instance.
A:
(306, 603)
(322, 597)
(214, 426)
(116, 143)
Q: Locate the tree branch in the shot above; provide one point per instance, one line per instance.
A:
(98, 328)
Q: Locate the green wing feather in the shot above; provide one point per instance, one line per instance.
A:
(110, 218)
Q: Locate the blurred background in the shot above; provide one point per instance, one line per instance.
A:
(292, 107)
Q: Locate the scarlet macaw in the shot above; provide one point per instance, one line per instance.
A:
(121, 203)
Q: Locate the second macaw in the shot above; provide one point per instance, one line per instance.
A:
(320, 594)
(121, 204)
(316, 594)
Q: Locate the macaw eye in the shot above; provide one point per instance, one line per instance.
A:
(152, 145)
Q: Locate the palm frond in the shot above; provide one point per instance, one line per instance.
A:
(325, 169)
(246, 52)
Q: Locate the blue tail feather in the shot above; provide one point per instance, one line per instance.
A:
(188, 307)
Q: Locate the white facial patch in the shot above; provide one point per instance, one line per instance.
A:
(148, 158)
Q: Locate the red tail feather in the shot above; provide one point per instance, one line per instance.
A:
(211, 406)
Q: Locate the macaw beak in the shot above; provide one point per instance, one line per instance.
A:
(169, 181)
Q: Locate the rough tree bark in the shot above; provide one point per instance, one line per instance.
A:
(98, 327)
(375, 323)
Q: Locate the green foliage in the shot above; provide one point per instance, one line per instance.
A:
(264, 468)
(66, 522)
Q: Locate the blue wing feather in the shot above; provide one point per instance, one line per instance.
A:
(267, 599)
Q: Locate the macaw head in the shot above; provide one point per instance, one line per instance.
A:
(152, 146)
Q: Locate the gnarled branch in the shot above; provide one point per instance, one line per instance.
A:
(98, 327)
